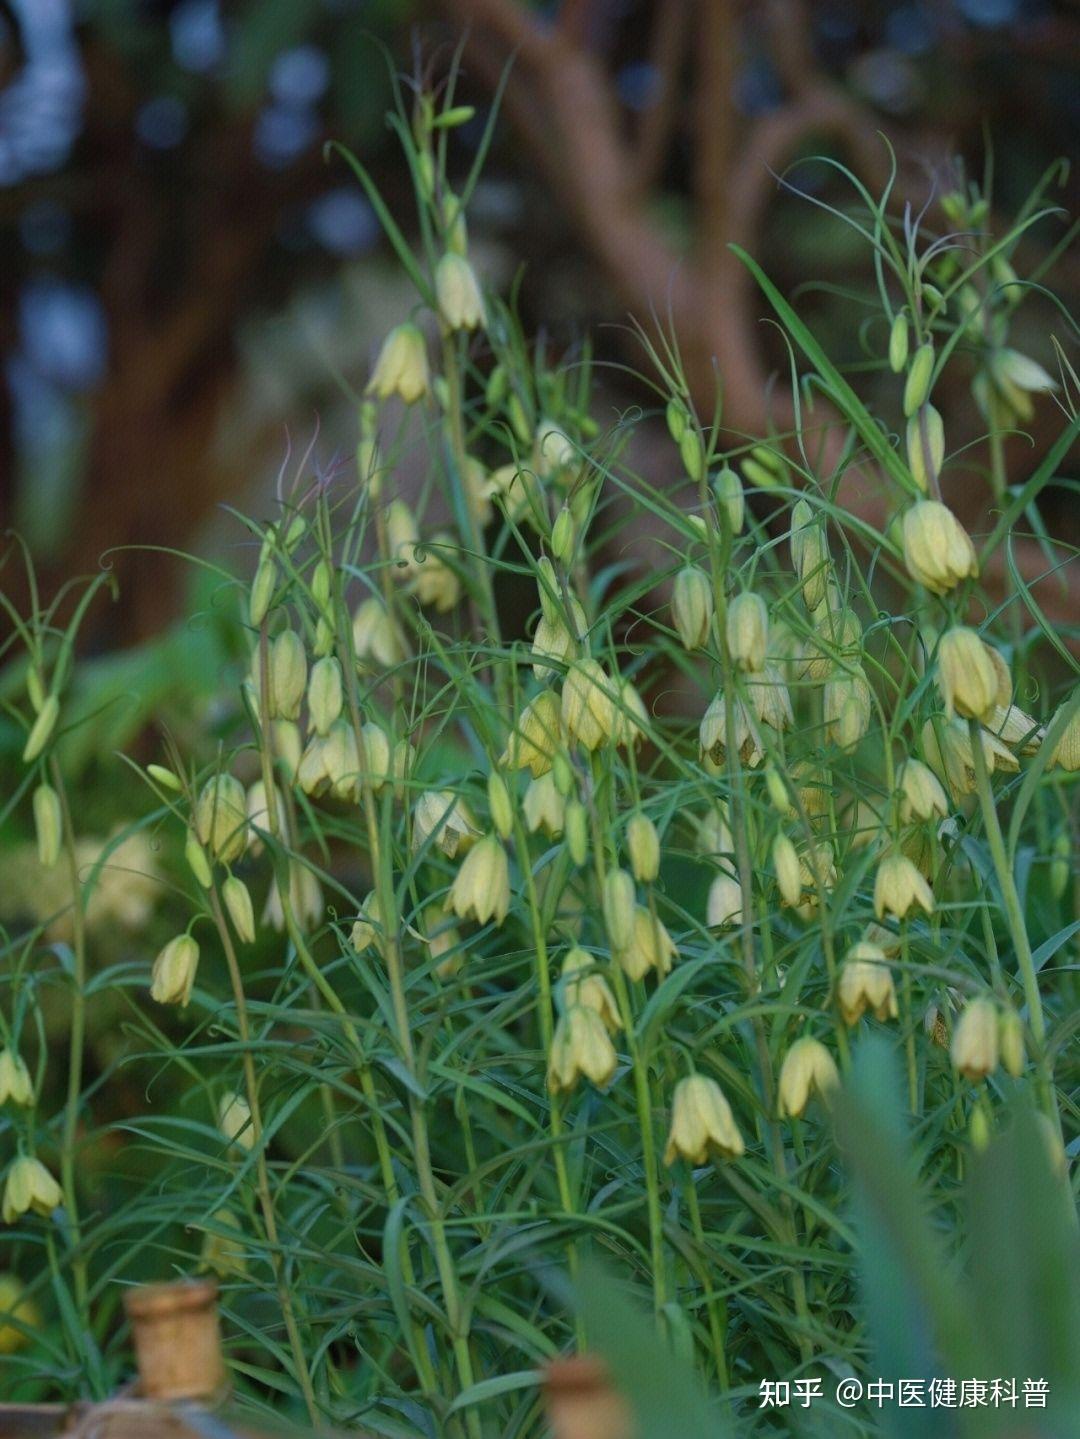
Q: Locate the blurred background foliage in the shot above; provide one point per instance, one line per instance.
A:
(187, 280)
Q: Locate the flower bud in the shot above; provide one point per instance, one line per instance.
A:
(618, 906)
(692, 451)
(809, 554)
(15, 1082)
(730, 498)
(234, 1120)
(692, 606)
(580, 1046)
(500, 805)
(197, 861)
(921, 794)
(937, 550)
(554, 641)
(808, 1069)
(588, 708)
(788, 870)
(577, 831)
(241, 911)
(725, 902)
(917, 386)
(974, 1049)
(481, 887)
(650, 946)
(584, 984)
(324, 694)
(164, 777)
(262, 589)
(898, 887)
(866, 983)
(48, 824)
(1010, 369)
(677, 419)
(1011, 1042)
(968, 677)
(643, 847)
(925, 447)
(562, 536)
(747, 631)
(536, 736)
(898, 342)
(29, 1187)
(172, 977)
(221, 818)
(288, 675)
(702, 1124)
(41, 730)
(402, 366)
(458, 293)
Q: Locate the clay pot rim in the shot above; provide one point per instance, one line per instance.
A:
(175, 1296)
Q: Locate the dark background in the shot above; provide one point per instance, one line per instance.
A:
(186, 281)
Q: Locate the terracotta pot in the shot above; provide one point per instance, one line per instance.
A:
(177, 1339)
(581, 1402)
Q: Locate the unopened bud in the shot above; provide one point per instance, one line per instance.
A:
(197, 861)
(925, 446)
(788, 870)
(898, 343)
(562, 536)
(288, 675)
(730, 498)
(692, 452)
(917, 386)
(692, 606)
(241, 911)
(500, 805)
(163, 776)
(262, 589)
(324, 694)
(747, 631)
(576, 826)
(173, 975)
(41, 730)
(643, 847)
(48, 824)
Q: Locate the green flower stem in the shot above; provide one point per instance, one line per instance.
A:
(638, 1063)
(715, 1307)
(76, 1051)
(545, 1011)
(262, 1173)
(1014, 917)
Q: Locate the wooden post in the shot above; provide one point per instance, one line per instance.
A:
(177, 1340)
(581, 1402)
